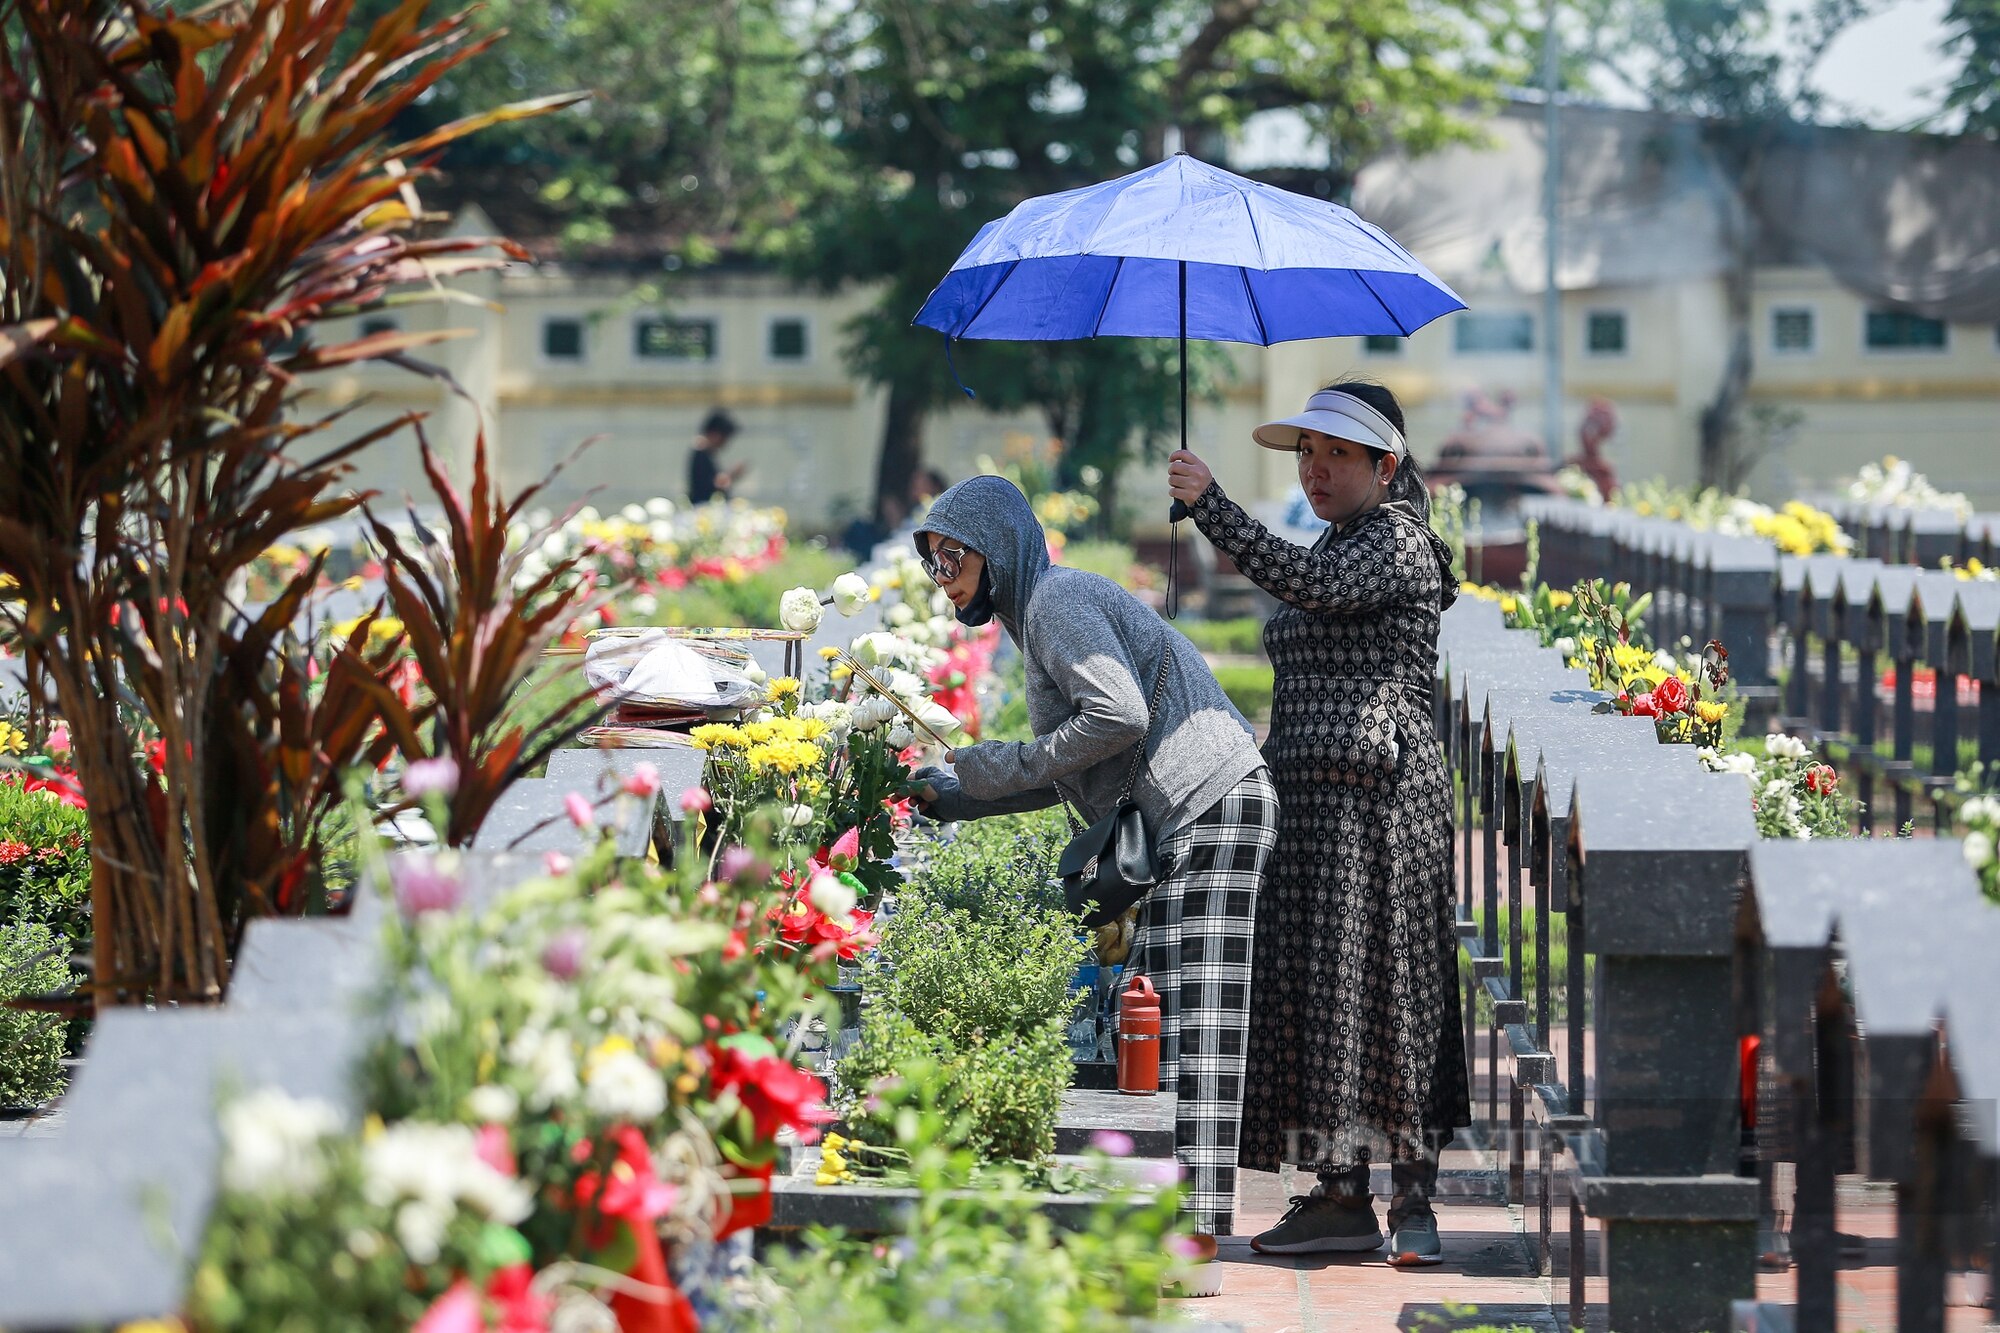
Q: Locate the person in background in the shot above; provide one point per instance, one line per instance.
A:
(706, 479)
(1355, 1045)
(1117, 695)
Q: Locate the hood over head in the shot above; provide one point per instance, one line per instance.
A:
(991, 516)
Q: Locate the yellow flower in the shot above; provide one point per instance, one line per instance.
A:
(12, 740)
(713, 735)
(828, 653)
(1507, 605)
(153, 1326)
(832, 1143)
(786, 757)
(1711, 712)
(1560, 599)
(783, 687)
(604, 1050)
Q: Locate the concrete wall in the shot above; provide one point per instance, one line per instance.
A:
(810, 431)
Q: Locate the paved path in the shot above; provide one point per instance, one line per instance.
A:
(1486, 1277)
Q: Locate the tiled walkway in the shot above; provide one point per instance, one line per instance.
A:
(1486, 1277)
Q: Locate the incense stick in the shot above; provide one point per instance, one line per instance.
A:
(847, 660)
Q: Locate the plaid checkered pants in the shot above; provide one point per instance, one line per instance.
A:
(1193, 942)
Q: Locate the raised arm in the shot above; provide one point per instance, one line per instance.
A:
(1387, 562)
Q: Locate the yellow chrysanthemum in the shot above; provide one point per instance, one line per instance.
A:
(714, 735)
(783, 687)
(1561, 598)
(12, 739)
(1711, 712)
(786, 757)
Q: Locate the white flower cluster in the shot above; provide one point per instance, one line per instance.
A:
(272, 1143)
(1895, 483)
(1773, 782)
(622, 1086)
(1981, 816)
(427, 1172)
(871, 710)
(654, 535)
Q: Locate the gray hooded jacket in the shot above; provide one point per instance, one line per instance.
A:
(1093, 652)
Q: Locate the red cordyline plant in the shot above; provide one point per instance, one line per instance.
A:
(183, 196)
(478, 636)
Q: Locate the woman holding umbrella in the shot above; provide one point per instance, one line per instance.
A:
(1120, 701)
(1355, 1050)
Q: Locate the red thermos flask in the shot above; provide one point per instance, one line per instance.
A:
(1138, 1039)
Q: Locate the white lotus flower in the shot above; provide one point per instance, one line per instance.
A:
(799, 609)
(850, 593)
(936, 716)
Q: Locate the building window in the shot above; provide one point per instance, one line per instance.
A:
(1382, 344)
(1894, 331)
(1494, 331)
(375, 324)
(658, 338)
(1604, 333)
(785, 340)
(1792, 330)
(562, 339)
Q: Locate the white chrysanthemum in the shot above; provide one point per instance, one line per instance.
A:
(901, 736)
(660, 507)
(624, 1087)
(899, 615)
(850, 593)
(1780, 746)
(1565, 645)
(272, 1143)
(1978, 849)
(799, 816)
(644, 605)
(554, 547)
(439, 1166)
(799, 609)
(548, 1061)
(492, 1104)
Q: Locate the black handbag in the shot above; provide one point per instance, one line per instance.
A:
(1109, 866)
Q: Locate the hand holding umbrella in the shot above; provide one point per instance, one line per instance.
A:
(1187, 478)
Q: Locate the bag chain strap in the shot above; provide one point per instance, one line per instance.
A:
(1138, 748)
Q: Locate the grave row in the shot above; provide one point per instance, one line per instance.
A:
(1626, 930)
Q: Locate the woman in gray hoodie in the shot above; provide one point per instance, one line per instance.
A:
(1095, 657)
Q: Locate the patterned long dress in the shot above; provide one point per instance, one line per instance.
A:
(1355, 1047)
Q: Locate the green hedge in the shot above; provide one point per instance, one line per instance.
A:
(1249, 688)
(1243, 636)
(34, 960)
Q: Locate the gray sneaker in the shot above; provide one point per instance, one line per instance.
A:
(1318, 1225)
(1413, 1239)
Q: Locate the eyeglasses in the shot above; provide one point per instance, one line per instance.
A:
(943, 564)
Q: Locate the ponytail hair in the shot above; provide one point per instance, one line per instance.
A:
(1408, 485)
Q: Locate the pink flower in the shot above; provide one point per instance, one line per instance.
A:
(59, 739)
(1185, 1247)
(493, 1148)
(563, 955)
(578, 806)
(457, 1311)
(845, 853)
(431, 777)
(1112, 1143)
(696, 800)
(555, 863)
(643, 781)
(425, 883)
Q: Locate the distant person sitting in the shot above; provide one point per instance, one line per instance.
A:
(705, 479)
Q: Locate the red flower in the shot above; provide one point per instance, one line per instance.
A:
(630, 1191)
(1645, 705)
(156, 755)
(11, 851)
(522, 1308)
(1821, 780)
(1671, 696)
(60, 781)
(774, 1091)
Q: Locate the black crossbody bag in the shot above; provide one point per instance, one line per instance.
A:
(1109, 866)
